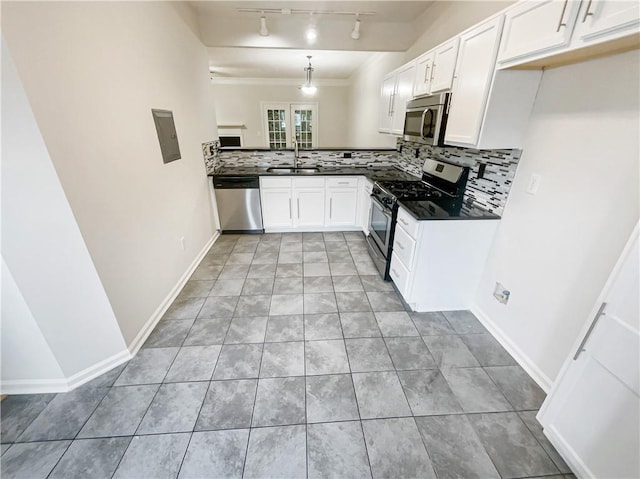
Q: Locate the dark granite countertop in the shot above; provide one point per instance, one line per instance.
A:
(374, 173)
(436, 210)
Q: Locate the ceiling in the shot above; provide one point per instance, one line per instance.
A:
(236, 50)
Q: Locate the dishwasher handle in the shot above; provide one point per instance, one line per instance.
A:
(236, 182)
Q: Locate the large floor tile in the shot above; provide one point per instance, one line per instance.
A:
(347, 268)
(450, 352)
(193, 363)
(380, 395)
(234, 271)
(428, 393)
(374, 283)
(455, 449)
(206, 332)
(337, 450)
(169, 334)
(359, 325)
(316, 269)
(331, 398)
(385, 301)
(519, 389)
(19, 411)
(240, 258)
(262, 270)
(505, 437)
(227, 287)
(253, 306)
(289, 270)
(282, 359)
(285, 328)
(395, 323)
(238, 361)
(464, 322)
(174, 409)
(91, 458)
(346, 284)
(286, 305)
(156, 456)
(409, 353)
(431, 324)
(215, 454)
(218, 307)
(320, 303)
(120, 413)
(277, 452)
(326, 357)
(322, 326)
(206, 272)
(368, 354)
(228, 405)
(196, 289)
(279, 402)
(258, 286)
(287, 285)
(245, 330)
(187, 308)
(487, 350)
(352, 302)
(147, 367)
(315, 257)
(64, 415)
(33, 460)
(475, 391)
(396, 449)
(318, 284)
(529, 419)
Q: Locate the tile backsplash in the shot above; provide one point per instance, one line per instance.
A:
(498, 170)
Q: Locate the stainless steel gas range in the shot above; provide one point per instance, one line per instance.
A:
(442, 183)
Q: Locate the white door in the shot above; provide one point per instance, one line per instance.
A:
(591, 414)
(536, 27)
(386, 98)
(277, 207)
(422, 82)
(474, 72)
(309, 206)
(444, 65)
(607, 18)
(304, 124)
(276, 125)
(284, 122)
(342, 206)
(403, 93)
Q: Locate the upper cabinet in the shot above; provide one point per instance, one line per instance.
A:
(424, 67)
(396, 91)
(605, 20)
(435, 69)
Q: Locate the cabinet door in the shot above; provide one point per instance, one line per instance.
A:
(276, 207)
(534, 27)
(309, 207)
(403, 93)
(422, 82)
(474, 72)
(342, 206)
(386, 97)
(606, 19)
(444, 65)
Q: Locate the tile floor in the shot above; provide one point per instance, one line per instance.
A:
(288, 356)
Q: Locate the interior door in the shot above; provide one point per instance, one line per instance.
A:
(304, 121)
(592, 413)
(276, 125)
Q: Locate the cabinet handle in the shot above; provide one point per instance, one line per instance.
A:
(393, 96)
(564, 9)
(453, 87)
(433, 72)
(426, 73)
(290, 216)
(587, 13)
(330, 208)
(400, 245)
(590, 330)
(393, 270)
(298, 207)
(390, 102)
(403, 221)
(343, 182)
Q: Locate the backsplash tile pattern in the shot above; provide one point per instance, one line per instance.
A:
(489, 192)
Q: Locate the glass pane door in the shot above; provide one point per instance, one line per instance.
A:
(303, 120)
(277, 128)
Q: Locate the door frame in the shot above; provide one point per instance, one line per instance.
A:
(289, 106)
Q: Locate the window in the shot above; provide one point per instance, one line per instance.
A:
(286, 121)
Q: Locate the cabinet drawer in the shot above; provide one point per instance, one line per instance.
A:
(342, 182)
(407, 221)
(270, 182)
(313, 182)
(404, 247)
(399, 275)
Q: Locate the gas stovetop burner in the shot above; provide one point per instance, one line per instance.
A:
(410, 190)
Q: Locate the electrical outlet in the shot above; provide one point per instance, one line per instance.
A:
(182, 242)
(501, 293)
(534, 184)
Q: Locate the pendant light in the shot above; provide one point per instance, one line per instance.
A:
(309, 88)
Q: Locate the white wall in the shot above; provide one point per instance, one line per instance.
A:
(93, 72)
(240, 104)
(555, 250)
(53, 303)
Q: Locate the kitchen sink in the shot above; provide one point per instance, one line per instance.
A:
(286, 170)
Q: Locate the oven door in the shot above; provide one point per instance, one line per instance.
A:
(380, 225)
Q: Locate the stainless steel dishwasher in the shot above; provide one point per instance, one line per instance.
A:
(238, 199)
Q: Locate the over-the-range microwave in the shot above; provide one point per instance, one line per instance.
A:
(426, 119)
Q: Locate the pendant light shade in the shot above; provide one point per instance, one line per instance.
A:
(308, 88)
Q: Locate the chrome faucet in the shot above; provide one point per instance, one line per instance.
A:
(296, 155)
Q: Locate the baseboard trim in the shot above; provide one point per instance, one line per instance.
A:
(151, 323)
(521, 358)
(34, 386)
(97, 369)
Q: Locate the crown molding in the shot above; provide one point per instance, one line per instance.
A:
(276, 81)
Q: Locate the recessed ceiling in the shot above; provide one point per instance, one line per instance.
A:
(236, 49)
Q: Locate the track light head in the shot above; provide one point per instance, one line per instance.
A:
(355, 34)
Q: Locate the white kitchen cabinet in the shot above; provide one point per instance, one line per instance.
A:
(342, 206)
(422, 82)
(308, 206)
(277, 210)
(364, 205)
(396, 90)
(437, 265)
(444, 65)
(533, 27)
(601, 20)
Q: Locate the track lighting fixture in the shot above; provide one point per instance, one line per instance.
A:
(264, 31)
(355, 34)
(309, 88)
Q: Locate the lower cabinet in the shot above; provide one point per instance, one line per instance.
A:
(342, 202)
(277, 210)
(437, 265)
(309, 206)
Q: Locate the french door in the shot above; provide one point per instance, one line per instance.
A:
(284, 122)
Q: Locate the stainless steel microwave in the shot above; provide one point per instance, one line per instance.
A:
(426, 119)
